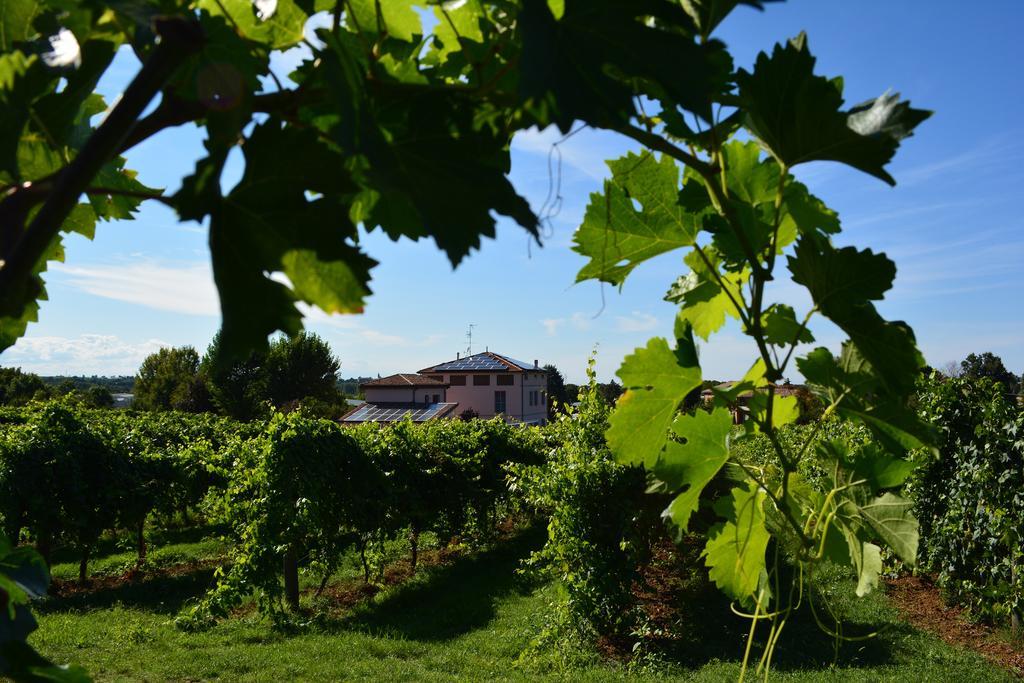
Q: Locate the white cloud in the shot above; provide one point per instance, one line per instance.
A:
(87, 354)
(636, 322)
(581, 321)
(584, 152)
(551, 325)
(187, 288)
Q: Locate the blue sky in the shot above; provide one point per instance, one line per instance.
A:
(953, 225)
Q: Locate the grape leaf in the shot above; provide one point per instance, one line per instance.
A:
(869, 464)
(705, 303)
(781, 328)
(709, 13)
(268, 224)
(583, 65)
(279, 31)
(864, 396)
(735, 553)
(785, 409)
(657, 379)
(615, 236)
(890, 517)
(16, 19)
(397, 18)
(798, 116)
(842, 282)
(695, 463)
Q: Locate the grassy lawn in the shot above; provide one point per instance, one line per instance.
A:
(470, 619)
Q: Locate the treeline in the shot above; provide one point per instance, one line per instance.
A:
(18, 388)
(301, 370)
(116, 384)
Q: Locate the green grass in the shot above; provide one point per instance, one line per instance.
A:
(472, 619)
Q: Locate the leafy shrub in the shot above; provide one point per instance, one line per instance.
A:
(594, 543)
(969, 498)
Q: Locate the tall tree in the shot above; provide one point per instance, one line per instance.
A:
(301, 367)
(557, 394)
(991, 366)
(17, 387)
(165, 378)
(237, 387)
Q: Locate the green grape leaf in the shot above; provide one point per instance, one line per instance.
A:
(735, 553)
(710, 13)
(864, 396)
(808, 213)
(279, 31)
(111, 206)
(842, 282)
(615, 236)
(436, 145)
(781, 328)
(890, 517)
(583, 65)
(705, 303)
(397, 18)
(267, 224)
(840, 278)
(869, 464)
(462, 22)
(16, 18)
(695, 462)
(785, 409)
(748, 177)
(798, 116)
(657, 379)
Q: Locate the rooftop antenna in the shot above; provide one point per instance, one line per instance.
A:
(469, 340)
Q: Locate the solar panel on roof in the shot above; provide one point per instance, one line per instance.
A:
(369, 412)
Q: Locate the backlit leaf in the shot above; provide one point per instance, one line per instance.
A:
(798, 115)
(656, 379)
(617, 237)
(695, 462)
(735, 553)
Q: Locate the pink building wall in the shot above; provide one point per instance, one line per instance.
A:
(400, 394)
(481, 399)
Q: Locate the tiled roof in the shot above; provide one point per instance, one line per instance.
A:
(404, 380)
(483, 362)
(394, 412)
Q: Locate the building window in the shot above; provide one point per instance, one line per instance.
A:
(499, 402)
(505, 380)
(437, 398)
(457, 380)
(542, 397)
(426, 398)
(481, 380)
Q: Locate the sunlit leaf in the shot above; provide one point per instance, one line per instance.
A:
(657, 379)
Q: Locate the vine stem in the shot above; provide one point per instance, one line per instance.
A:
(179, 38)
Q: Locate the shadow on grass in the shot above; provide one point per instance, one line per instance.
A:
(446, 602)
(124, 542)
(709, 631)
(161, 592)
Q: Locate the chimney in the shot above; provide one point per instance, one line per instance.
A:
(535, 363)
(457, 355)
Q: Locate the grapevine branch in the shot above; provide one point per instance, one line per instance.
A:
(179, 38)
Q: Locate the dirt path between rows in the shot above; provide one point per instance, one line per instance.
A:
(920, 602)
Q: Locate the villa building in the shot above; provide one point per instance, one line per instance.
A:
(482, 385)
